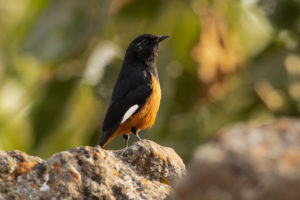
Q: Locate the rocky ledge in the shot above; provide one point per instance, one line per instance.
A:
(144, 170)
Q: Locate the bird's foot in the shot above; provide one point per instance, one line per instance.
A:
(137, 135)
(135, 132)
(126, 138)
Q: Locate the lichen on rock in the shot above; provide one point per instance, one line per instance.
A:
(144, 170)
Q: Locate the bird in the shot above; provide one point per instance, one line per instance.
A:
(136, 95)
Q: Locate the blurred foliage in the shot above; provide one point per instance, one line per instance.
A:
(226, 62)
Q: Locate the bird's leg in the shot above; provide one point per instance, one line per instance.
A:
(126, 138)
(134, 131)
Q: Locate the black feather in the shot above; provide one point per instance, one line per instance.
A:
(134, 84)
(127, 93)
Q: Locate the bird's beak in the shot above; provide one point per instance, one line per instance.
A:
(161, 38)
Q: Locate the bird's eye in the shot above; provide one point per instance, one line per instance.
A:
(145, 41)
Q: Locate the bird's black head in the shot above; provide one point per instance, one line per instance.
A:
(144, 48)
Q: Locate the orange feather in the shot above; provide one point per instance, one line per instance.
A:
(145, 118)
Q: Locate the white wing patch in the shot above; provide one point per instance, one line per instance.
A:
(129, 113)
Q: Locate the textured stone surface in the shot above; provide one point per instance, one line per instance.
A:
(246, 163)
(142, 171)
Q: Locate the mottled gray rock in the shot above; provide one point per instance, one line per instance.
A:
(142, 171)
(246, 163)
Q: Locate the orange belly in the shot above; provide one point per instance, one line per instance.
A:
(145, 118)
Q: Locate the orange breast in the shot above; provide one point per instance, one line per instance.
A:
(145, 118)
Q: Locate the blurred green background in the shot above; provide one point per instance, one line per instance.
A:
(226, 62)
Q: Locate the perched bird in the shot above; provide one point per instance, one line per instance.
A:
(136, 95)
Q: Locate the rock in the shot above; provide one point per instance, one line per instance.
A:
(142, 171)
(246, 163)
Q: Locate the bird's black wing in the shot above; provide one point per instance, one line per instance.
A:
(129, 91)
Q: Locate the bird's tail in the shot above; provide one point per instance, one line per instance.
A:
(102, 139)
